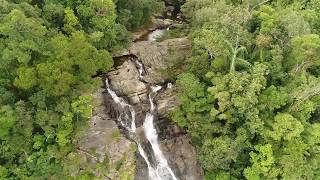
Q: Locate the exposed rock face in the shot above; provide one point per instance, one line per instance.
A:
(124, 80)
(182, 157)
(103, 141)
(175, 144)
(157, 56)
(166, 101)
(160, 23)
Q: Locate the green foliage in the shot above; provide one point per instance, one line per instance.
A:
(135, 13)
(305, 53)
(224, 153)
(7, 120)
(70, 20)
(285, 127)
(250, 94)
(262, 163)
(49, 51)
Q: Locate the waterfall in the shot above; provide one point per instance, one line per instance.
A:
(123, 104)
(162, 168)
(140, 68)
(158, 170)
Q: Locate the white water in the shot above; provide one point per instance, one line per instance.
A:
(151, 170)
(141, 69)
(154, 35)
(162, 168)
(120, 101)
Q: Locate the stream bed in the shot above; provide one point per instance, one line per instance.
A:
(142, 98)
(158, 168)
(131, 125)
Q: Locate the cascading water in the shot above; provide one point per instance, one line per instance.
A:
(124, 122)
(162, 168)
(158, 170)
(154, 35)
(140, 68)
(123, 104)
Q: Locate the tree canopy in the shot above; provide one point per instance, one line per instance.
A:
(250, 94)
(49, 51)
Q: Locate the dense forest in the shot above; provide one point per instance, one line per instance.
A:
(250, 93)
(49, 50)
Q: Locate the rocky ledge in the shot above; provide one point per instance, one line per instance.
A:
(103, 144)
(103, 135)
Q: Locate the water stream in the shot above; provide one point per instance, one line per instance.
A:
(154, 35)
(123, 120)
(162, 168)
(159, 169)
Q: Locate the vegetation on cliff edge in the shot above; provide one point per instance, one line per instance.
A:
(250, 96)
(49, 51)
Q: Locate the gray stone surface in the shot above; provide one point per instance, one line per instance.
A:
(157, 56)
(103, 140)
(103, 135)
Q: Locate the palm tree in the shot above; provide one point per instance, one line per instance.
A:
(235, 50)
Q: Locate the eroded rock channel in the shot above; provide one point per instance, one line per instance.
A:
(139, 79)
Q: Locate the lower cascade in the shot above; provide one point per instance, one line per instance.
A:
(163, 171)
(159, 169)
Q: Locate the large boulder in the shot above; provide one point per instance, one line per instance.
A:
(156, 22)
(124, 80)
(160, 23)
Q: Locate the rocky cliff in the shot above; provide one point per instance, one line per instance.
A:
(103, 135)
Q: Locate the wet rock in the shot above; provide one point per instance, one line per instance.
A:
(178, 150)
(156, 57)
(142, 169)
(176, 145)
(103, 141)
(124, 80)
(169, 2)
(180, 17)
(169, 11)
(176, 26)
